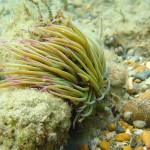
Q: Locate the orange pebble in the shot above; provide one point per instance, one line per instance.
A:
(131, 129)
(112, 127)
(104, 145)
(141, 68)
(137, 80)
(84, 147)
(122, 137)
(145, 137)
(124, 124)
(105, 133)
(127, 148)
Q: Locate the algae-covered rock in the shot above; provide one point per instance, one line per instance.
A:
(32, 120)
(139, 107)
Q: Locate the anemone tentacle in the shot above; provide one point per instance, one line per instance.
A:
(64, 61)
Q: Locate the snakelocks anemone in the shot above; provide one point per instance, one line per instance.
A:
(64, 61)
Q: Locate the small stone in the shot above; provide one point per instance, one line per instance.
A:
(131, 52)
(119, 129)
(137, 80)
(131, 129)
(140, 107)
(139, 124)
(132, 73)
(140, 148)
(145, 137)
(104, 145)
(98, 148)
(148, 65)
(112, 127)
(110, 135)
(133, 141)
(127, 148)
(131, 88)
(122, 137)
(143, 75)
(94, 143)
(84, 147)
(127, 115)
(138, 131)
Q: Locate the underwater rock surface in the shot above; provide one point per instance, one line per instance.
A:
(32, 120)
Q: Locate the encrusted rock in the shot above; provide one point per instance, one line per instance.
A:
(140, 108)
(32, 120)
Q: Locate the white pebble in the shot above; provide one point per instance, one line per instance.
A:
(137, 131)
(110, 135)
(127, 115)
(148, 64)
(128, 131)
(139, 124)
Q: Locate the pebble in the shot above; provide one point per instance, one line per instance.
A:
(131, 88)
(104, 145)
(122, 137)
(98, 148)
(131, 52)
(137, 131)
(127, 148)
(112, 127)
(139, 124)
(145, 137)
(133, 141)
(148, 65)
(119, 129)
(144, 85)
(140, 148)
(140, 108)
(143, 75)
(84, 147)
(127, 115)
(94, 143)
(110, 135)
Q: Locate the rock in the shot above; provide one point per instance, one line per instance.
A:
(111, 41)
(138, 131)
(145, 137)
(140, 108)
(84, 147)
(131, 88)
(119, 129)
(133, 141)
(104, 145)
(131, 52)
(33, 119)
(119, 50)
(122, 137)
(110, 135)
(143, 75)
(132, 73)
(112, 127)
(139, 124)
(127, 148)
(94, 143)
(148, 65)
(118, 75)
(127, 115)
(144, 85)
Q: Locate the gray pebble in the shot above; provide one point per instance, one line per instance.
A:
(131, 52)
(119, 129)
(143, 75)
(133, 141)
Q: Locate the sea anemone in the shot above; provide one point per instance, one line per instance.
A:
(64, 61)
